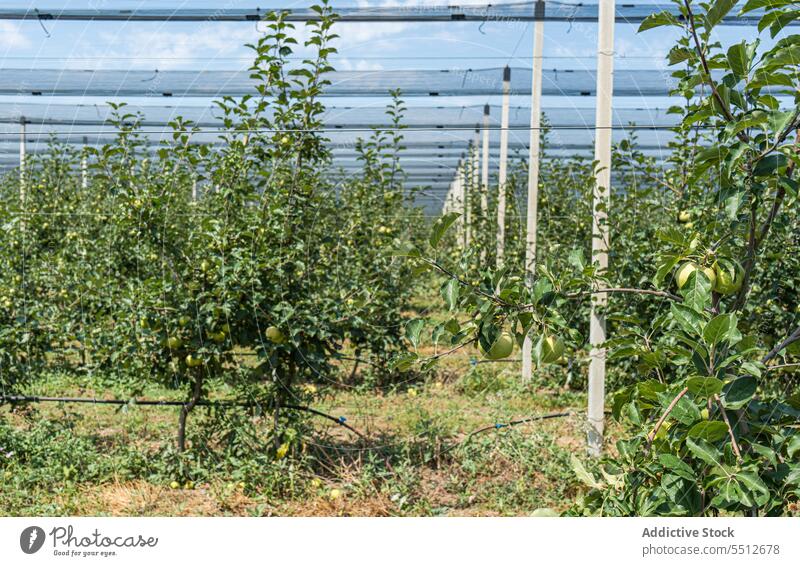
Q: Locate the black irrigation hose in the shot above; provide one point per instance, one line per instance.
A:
(145, 402)
(338, 420)
(498, 426)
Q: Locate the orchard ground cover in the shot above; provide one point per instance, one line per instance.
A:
(416, 459)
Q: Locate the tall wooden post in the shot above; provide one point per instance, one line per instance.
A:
(600, 206)
(533, 175)
(503, 172)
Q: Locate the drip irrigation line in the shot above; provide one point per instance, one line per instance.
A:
(498, 426)
(341, 421)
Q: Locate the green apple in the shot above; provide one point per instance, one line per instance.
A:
(275, 335)
(192, 361)
(685, 270)
(173, 342)
(552, 349)
(684, 216)
(730, 276)
(502, 347)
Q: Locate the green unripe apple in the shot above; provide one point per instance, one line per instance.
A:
(552, 349)
(275, 335)
(729, 278)
(192, 361)
(685, 270)
(173, 343)
(502, 347)
(684, 216)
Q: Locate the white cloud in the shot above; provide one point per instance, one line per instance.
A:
(346, 64)
(11, 37)
(170, 50)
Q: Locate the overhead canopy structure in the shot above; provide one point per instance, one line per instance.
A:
(424, 82)
(437, 137)
(439, 134)
(345, 117)
(176, 11)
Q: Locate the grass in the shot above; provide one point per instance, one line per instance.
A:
(418, 459)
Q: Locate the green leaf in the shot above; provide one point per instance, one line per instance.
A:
(452, 326)
(657, 20)
(738, 59)
(752, 369)
(697, 291)
(413, 329)
(576, 259)
(705, 451)
(677, 466)
(756, 486)
(582, 474)
(711, 431)
(441, 226)
(704, 386)
(450, 293)
(408, 250)
(679, 54)
(664, 268)
(722, 328)
(688, 319)
(793, 446)
(738, 393)
(757, 4)
(770, 165)
(718, 10)
(685, 411)
(404, 362)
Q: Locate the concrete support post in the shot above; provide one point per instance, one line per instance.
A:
(533, 178)
(503, 171)
(600, 207)
(23, 173)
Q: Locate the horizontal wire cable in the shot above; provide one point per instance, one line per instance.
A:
(370, 130)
